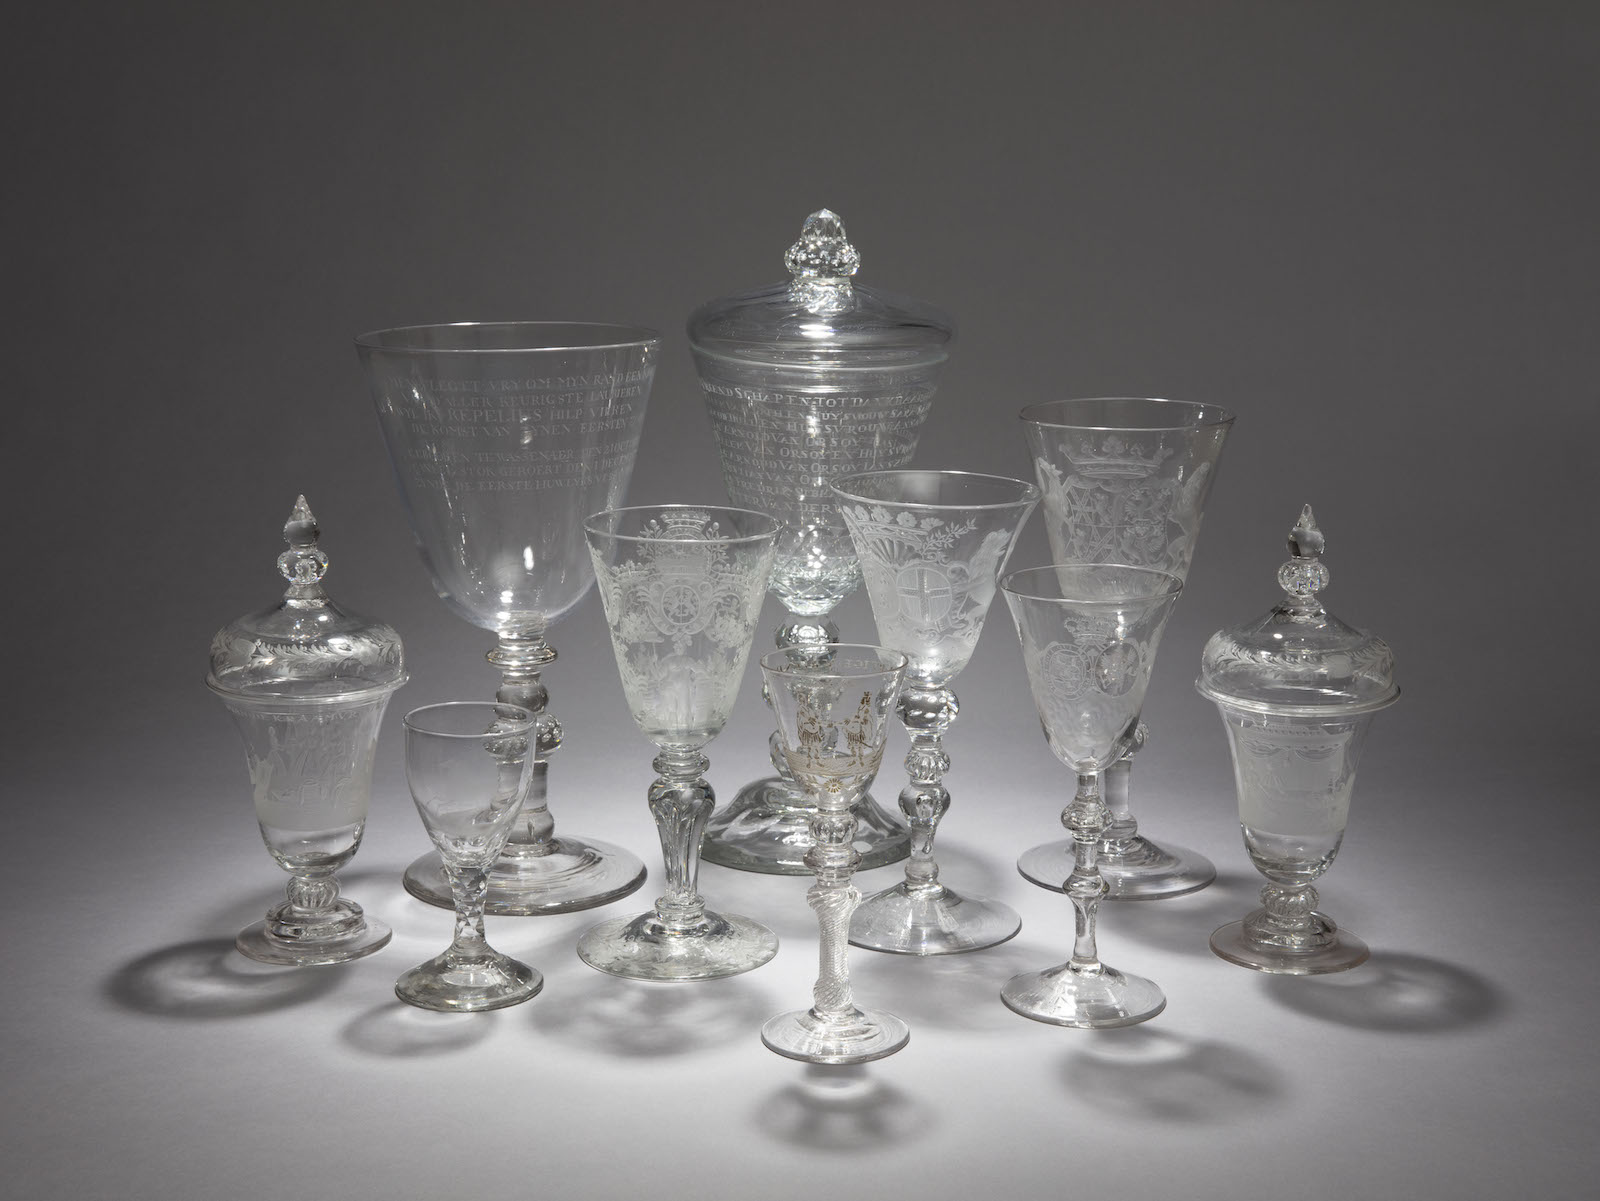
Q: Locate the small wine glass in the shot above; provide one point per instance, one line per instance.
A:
(833, 705)
(467, 763)
(1089, 637)
(682, 587)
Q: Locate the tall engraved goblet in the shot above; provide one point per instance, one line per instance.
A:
(932, 545)
(804, 380)
(504, 437)
(682, 588)
(833, 705)
(467, 764)
(1125, 480)
(1089, 638)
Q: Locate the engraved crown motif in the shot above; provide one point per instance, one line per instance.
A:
(1117, 456)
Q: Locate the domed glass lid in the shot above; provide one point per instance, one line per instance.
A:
(820, 316)
(305, 647)
(1299, 657)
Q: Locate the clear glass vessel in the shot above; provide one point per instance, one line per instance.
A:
(467, 763)
(1297, 690)
(932, 545)
(1089, 639)
(805, 380)
(833, 705)
(504, 437)
(682, 587)
(307, 684)
(1125, 480)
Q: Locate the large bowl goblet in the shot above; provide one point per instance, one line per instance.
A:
(504, 437)
(833, 705)
(467, 764)
(1089, 638)
(682, 587)
(805, 380)
(1125, 480)
(932, 545)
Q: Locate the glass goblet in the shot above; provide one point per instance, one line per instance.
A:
(682, 587)
(467, 764)
(1089, 637)
(1125, 480)
(833, 705)
(503, 438)
(932, 545)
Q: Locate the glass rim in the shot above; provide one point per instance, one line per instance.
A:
(1030, 494)
(589, 526)
(615, 337)
(516, 726)
(1008, 583)
(1221, 416)
(787, 667)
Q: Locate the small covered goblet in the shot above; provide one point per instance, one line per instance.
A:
(1297, 690)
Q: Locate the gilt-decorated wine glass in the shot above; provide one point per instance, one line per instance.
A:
(932, 545)
(682, 587)
(504, 437)
(834, 704)
(1125, 480)
(467, 764)
(1089, 637)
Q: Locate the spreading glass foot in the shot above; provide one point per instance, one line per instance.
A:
(860, 1036)
(322, 942)
(1331, 950)
(1093, 999)
(766, 828)
(1135, 870)
(576, 874)
(445, 983)
(646, 948)
(935, 921)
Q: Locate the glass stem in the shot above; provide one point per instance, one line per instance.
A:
(1086, 818)
(520, 658)
(681, 801)
(833, 859)
(1121, 827)
(926, 714)
(470, 886)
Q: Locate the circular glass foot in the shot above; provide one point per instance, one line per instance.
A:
(767, 828)
(1142, 872)
(576, 874)
(645, 948)
(1337, 952)
(455, 987)
(939, 921)
(864, 1034)
(257, 942)
(1089, 1000)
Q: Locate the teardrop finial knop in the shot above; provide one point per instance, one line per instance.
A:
(823, 251)
(1304, 575)
(302, 564)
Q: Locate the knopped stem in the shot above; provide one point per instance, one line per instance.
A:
(1121, 827)
(833, 860)
(521, 658)
(1288, 920)
(1086, 818)
(927, 714)
(681, 800)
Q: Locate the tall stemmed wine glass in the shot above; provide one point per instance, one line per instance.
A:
(504, 437)
(467, 764)
(682, 587)
(1089, 637)
(932, 545)
(833, 706)
(1125, 480)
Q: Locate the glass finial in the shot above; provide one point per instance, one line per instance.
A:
(1304, 575)
(303, 565)
(823, 251)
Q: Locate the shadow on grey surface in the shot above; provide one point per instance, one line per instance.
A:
(1403, 994)
(210, 979)
(633, 1019)
(1183, 924)
(842, 1109)
(950, 992)
(1160, 1076)
(400, 1031)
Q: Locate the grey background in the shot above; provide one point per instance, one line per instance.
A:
(1367, 228)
